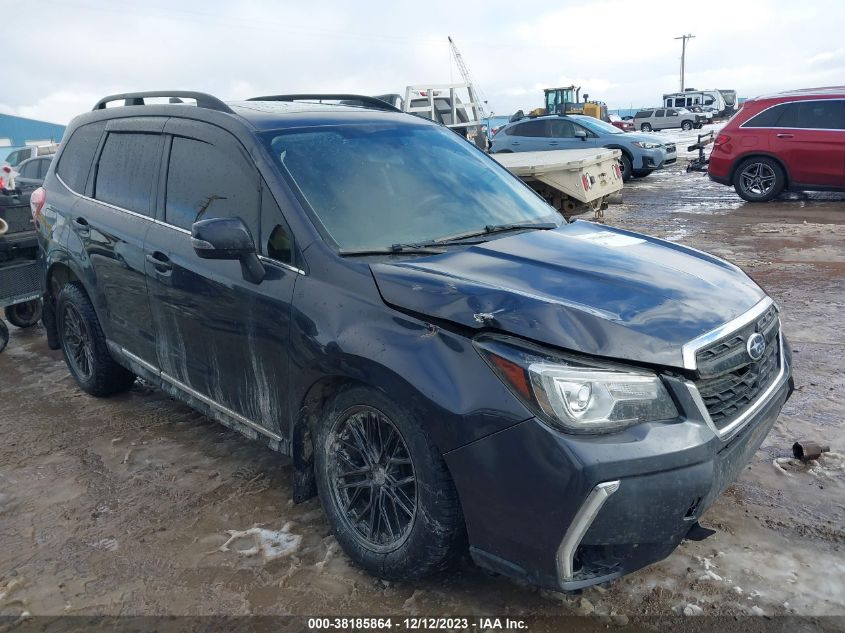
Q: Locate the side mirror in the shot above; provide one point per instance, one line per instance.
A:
(581, 134)
(227, 238)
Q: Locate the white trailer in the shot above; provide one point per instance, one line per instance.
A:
(571, 180)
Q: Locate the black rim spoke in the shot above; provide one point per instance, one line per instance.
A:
(373, 478)
(78, 345)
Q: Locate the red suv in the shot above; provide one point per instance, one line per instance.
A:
(792, 140)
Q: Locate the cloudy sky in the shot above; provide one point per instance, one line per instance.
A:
(69, 53)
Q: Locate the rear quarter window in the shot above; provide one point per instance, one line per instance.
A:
(78, 154)
(643, 114)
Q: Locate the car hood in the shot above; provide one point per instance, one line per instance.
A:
(646, 138)
(582, 287)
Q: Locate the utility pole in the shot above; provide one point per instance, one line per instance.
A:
(684, 39)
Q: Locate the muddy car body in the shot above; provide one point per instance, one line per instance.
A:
(567, 397)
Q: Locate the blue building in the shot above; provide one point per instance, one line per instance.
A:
(17, 131)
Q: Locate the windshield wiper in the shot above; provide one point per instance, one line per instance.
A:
(423, 248)
(491, 229)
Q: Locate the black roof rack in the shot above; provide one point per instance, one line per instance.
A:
(137, 98)
(368, 102)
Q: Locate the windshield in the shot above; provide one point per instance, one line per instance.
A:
(372, 186)
(598, 126)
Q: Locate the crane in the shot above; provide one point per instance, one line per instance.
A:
(474, 93)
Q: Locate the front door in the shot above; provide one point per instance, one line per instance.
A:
(810, 137)
(219, 336)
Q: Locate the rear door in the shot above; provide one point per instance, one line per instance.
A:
(111, 226)
(810, 137)
(529, 136)
(223, 339)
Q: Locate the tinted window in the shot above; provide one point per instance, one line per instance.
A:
(277, 239)
(659, 113)
(671, 113)
(29, 169)
(531, 128)
(767, 118)
(204, 182)
(125, 171)
(561, 128)
(44, 167)
(643, 114)
(78, 154)
(825, 114)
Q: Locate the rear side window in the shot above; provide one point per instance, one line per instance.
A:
(78, 154)
(768, 117)
(44, 167)
(824, 114)
(29, 169)
(530, 128)
(125, 171)
(204, 182)
(660, 113)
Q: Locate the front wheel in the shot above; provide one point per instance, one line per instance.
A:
(759, 179)
(645, 127)
(686, 126)
(24, 314)
(385, 488)
(84, 345)
(626, 167)
(642, 173)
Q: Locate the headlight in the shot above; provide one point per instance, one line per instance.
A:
(577, 395)
(646, 145)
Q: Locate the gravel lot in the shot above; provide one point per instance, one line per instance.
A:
(125, 506)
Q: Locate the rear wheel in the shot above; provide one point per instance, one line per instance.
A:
(759, 179)
(645, 127)
(686, 126)
(84, 345)
(24, 314)
(384, 486)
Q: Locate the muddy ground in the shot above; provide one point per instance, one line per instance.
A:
(124, 505)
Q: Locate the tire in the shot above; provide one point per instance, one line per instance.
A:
(642, 173)
(4, 336)
(645, 127)
(84, 345)
(686, 126)
(425, 512)
(24, 314)
(627, 167)
(759, 179)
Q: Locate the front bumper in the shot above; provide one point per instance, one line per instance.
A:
(566, 511)
(650, 159)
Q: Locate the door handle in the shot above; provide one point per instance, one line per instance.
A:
(785, 135)
(160, 261)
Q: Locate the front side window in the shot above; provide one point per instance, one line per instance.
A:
(205, 182)
(561, 128)
(126, 169)
(78, 154)
(375, 185)
(599, 127)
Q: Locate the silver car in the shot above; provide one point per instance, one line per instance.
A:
(667, 118)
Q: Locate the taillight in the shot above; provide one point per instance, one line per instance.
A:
(36, 203)
(722, 139)
(585, 180)
(7, 175)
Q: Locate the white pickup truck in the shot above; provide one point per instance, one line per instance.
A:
(571, 180)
